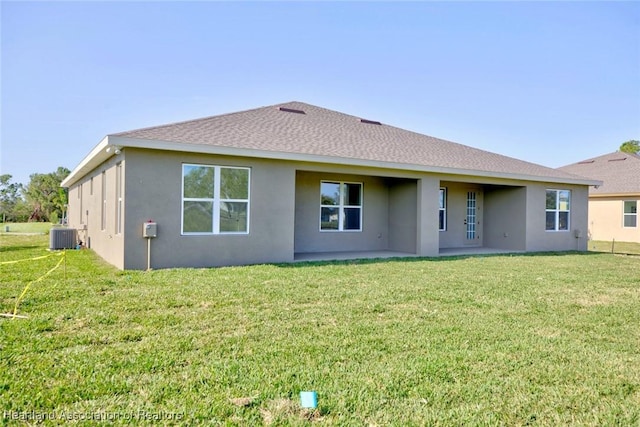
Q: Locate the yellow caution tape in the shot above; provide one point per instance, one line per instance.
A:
(39, 279)
(28, 259)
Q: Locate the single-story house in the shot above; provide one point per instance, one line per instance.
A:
(613, 206)
(290, 181)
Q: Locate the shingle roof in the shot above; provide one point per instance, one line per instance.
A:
(618, 171)
(322, 132)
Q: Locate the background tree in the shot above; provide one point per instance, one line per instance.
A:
(631, 146)
(45, 196)
(21, 211)
(9, 198)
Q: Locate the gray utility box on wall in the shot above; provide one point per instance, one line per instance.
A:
(62, 238)
(149, 229)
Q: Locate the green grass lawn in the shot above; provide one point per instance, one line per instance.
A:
(25, 227)
(616, 247)
(496, 340)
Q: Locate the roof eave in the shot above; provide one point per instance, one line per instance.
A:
(278, 155)
(618, 195)
(95, 158)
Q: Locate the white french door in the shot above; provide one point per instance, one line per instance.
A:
(473, 219)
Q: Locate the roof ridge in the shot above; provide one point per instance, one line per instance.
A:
(469, 147)
(618, 176)
(420, 135)
(182, 122)
(340, 113)
(324, 134)
(602, 157)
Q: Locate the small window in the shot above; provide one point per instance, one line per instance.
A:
(443, 210)
(91, 187)
(103, 196)
(630, 213)
(80, 204)
(215, 199)
(558, 209)
(340, 206)
(119, 198)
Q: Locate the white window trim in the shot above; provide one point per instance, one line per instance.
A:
(103, 201)
(119, 198)
(80, 198)
(558, 210)
(443, 209)
(624, 215)
(216, 200)
(341, 206)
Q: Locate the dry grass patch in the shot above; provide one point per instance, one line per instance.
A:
(243, 401)
(612, 296)
(279, 411)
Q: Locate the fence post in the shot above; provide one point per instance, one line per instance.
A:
(613, 245)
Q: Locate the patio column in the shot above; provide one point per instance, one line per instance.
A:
(428, 238)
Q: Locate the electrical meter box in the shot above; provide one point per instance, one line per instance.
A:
(150, 229)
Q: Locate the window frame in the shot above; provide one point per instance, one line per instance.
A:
(119, 198)
(80, 199)
(557, 211)
(341, 206)
(103, 202)
(216, 201)
(629, 214)
(443, 209)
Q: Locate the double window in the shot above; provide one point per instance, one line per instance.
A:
(443, 210)
(340, 206)
(215, 199)
(558, 210)
(630, 213)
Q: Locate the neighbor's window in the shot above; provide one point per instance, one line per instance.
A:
(443, 210)
(558, 209)
(340, 206)
(215, 199)
(630, 215)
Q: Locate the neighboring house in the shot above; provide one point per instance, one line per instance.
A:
(277, 183)
(613, 206)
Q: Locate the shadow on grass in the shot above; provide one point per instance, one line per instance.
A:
(442, 258)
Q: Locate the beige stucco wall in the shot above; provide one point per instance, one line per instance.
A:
(428, 239)
(85, 212)
(505, 215)
(513, 215)
(400, 212)
(403, 213)
(455, 234)
(538, 239)
(375, 215)
(606, 220)
(154, 189)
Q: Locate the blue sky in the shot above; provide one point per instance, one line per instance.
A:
(548, 82)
